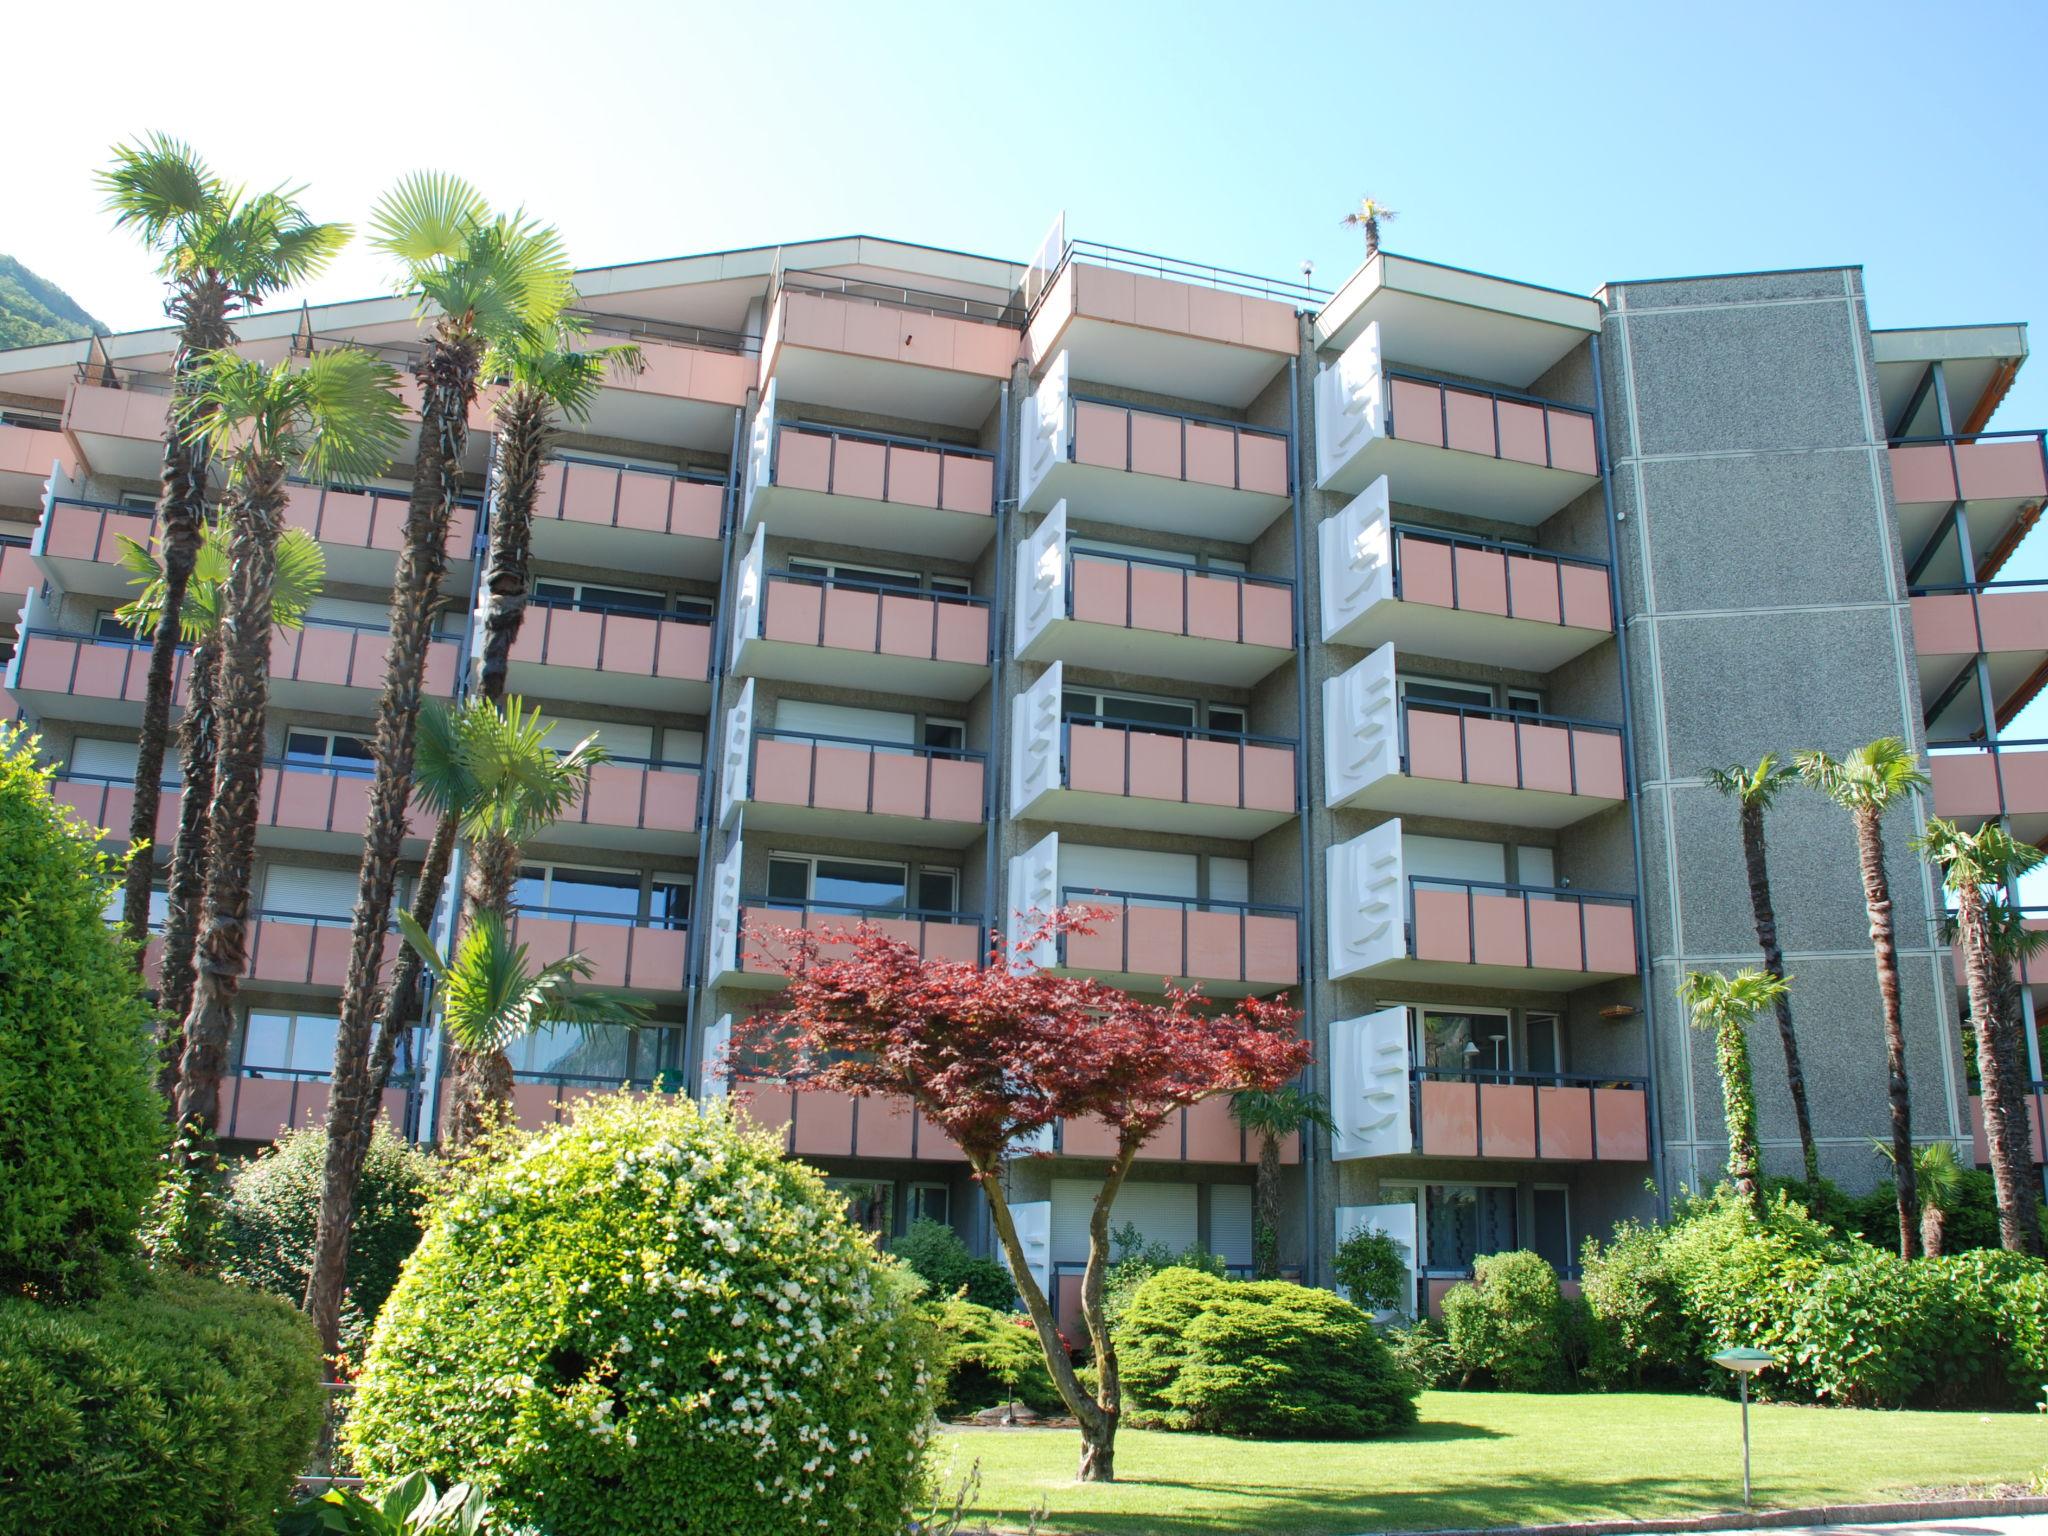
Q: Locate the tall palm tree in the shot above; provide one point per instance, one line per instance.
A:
(1368, 217)
(484, 281)
(494, 772)
(301, 571)
(1971, 862)
(491, 998)
(1866, 783)
(223, 252)
(1724, 1006)
(337, 418)
(1753, 790)
(1273, 1115)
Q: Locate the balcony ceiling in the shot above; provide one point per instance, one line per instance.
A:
(908, 831)
(1154, 653)
(1123, 499)
(1456, 634)
(1140, 813)
(1524, 978)
(813, 376)
(1498, 804)
(1447, 320)
(1978, 361)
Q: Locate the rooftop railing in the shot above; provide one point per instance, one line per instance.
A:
(639, 328)
(892, 296)
(1302, 295)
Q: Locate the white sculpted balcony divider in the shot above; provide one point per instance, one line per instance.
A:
(726, 938)
(713, 1071)
(760, 451)
(1398, 1222)
(1367, 917)
(1035, 740)
(1361, 726)
(736, 757)
(1351, 406)
(1041, 579)
(750, 592)
(1369, 1086)
(1034, 893)
(1047, 429)
(1357, 551)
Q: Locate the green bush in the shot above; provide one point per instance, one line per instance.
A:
(171, 1406)
(1422, 1353)
(1511, 1327)
(1267, 1359)
(991, 1357)
(1642, 1333)
(81, 1125)
(649, 1319)
(1134, 1261)
(936, 1252)
(1373, 1269)
(273, 1206)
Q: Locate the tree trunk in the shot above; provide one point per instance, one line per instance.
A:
(199, 748)
(241, 703)
(525, 431)
(1998, 1021)
(1877, 897)
(180, 517)
(1098, 1425)
(448, 380)
(1266, 1209)
(1933, 1222)
(1774, 962)
(1738, 1110)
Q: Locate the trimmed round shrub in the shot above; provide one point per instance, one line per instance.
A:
(990, 1358)
(1266, 1359)
(1373, 1269)
(648, 1319)
(1510, 1327)
(272, 1209)
(81, 1125)
(941, 1259)
(171, 1406)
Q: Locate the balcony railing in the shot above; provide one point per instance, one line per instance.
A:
(1533, 927)
(895, 296)
(882, 466)
(1551, 1116)
(637, 328)
(110, 376)
(864, 777)
(1168, 597)
(1492, 576)
(1495, 423)
(1981, 466)
(1191, 764)
(1121, 258)
(1176, 445)
(934, 932)
(77, 529)
(1517, 749)
(601, 494)
(854, 613)
(260, 1103)
(1198, 938)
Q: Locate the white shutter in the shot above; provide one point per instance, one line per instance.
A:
(618, 739)
(350, 611)
(844, 720)
(1230, 1222)
(681, 746)
(1535, 866)
(114, 759)
(1454, 858)
(1086, 547)
(309, 892)
(1085, 868)
(1230, 879)
(1164, 1213)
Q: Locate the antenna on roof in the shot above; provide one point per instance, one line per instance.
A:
(1308, 273)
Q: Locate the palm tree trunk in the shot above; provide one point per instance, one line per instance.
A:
(1266, 1208)
(1738, 1110)
(242, 701)
(482, 1080)
(448, 379)
(525, 431)
(1877, 897)
(199, 748)
(1995, 1010)
(1774, 962)
(180, 514)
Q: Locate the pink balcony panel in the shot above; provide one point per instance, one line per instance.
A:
(1621, 1130)
(685, 373)
(1991, 470)
(763, 950)
(627, 796)
(18, 573)
(95, 410)
(823, 1125)
(78, 532)
(1174, 602)
(315, 800)
(1507, 1119)
(888, 624)
(1515, 754)
(1954, 623)
(368, 520)
(1449, 1119)
(1086, 291)
(790, 771)
(1488, 928)
(1167, 941)
(1506, 585)
(1471, 422)
(264, 1108)
(1201, 772)
(1177, 448)
(536, 1106)
(1974, 785)
(631, 644)
(2036, 1106)
(110, 806)
(645, 501)
(1564, 1118)
(304, 954)
(32, 450)
(827, 323)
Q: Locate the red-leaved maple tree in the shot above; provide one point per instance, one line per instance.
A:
(991, 1056)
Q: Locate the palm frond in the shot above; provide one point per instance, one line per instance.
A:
(1988, 856)
(427, 217)
(1873, 777)
(158, 183)
(301, 573)
(354, 418)
(443, 774)
(1714, 999)
(495, 770)
(491, 995)
(1748, 786)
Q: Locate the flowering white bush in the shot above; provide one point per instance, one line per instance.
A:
(649, 1320)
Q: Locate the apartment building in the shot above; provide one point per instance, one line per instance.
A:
(1365, 647)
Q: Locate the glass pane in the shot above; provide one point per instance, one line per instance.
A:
(1551, 1235)
(267, 1040)
(946, 735)
(1420, 690)
(313, 1043)
(1226, 719)
(938, 890)
(304, 747)
(668, 905)
(931, 1202)
(869, 1203)
(1543, 1053)
(531, 888)
(1464, 1042)
(789, 879)
(1466, 1221)
(862, 885)
(623, 597)
(603, 1053)
(1180, 712)
(956, 584)
(614, 893)
(353, 749)
(555, 591)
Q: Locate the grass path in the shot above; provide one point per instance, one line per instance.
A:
(1482, 1458)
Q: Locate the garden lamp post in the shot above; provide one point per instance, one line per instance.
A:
(1745, 1363)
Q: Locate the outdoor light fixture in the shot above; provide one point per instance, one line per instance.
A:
(1745, 1363)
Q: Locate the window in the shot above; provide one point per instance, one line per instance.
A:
(938, 890)
(929, 1202)
(1461, 1040)
(864, 575)
(1524, 699)
(1435, 690)
(324, 748)
(1546, 1044)
(838, 882)
(139, 501)
(288, 1042)
(159, 905)
(591, 597)
(870, 1203)
(582, 892)
(564, 1050)
(945, 735)
(1463, 1222)
(1227, 717)
(1550, 1225)
(698, 610)
(1131, 708)
(107, 627)
(668, 901)
(957, 586)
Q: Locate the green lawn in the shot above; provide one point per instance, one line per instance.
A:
(1483, 1458)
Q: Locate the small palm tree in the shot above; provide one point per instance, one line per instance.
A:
(301, 571)
(1939, 1178)
(1724, 1006)
(491, 998)
(223, 252)
(338, 418)
(1273, 1115)
(1867, 783)
(1753, 790)
(483, 281)
(1974, 866)
(1369, 216)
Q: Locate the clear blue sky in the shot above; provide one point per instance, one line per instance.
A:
(1566, 144)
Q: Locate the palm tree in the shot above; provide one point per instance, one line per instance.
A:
(494, 772)
(337, 418)
(1271, 1116)
(1866, 783)
(1369, 216)
(1724, 1006)
(491, 997)
(485, 281)
(1753, 790)
(301, 571)
(1971, 862)
(1939, 1178)
(223, 252)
